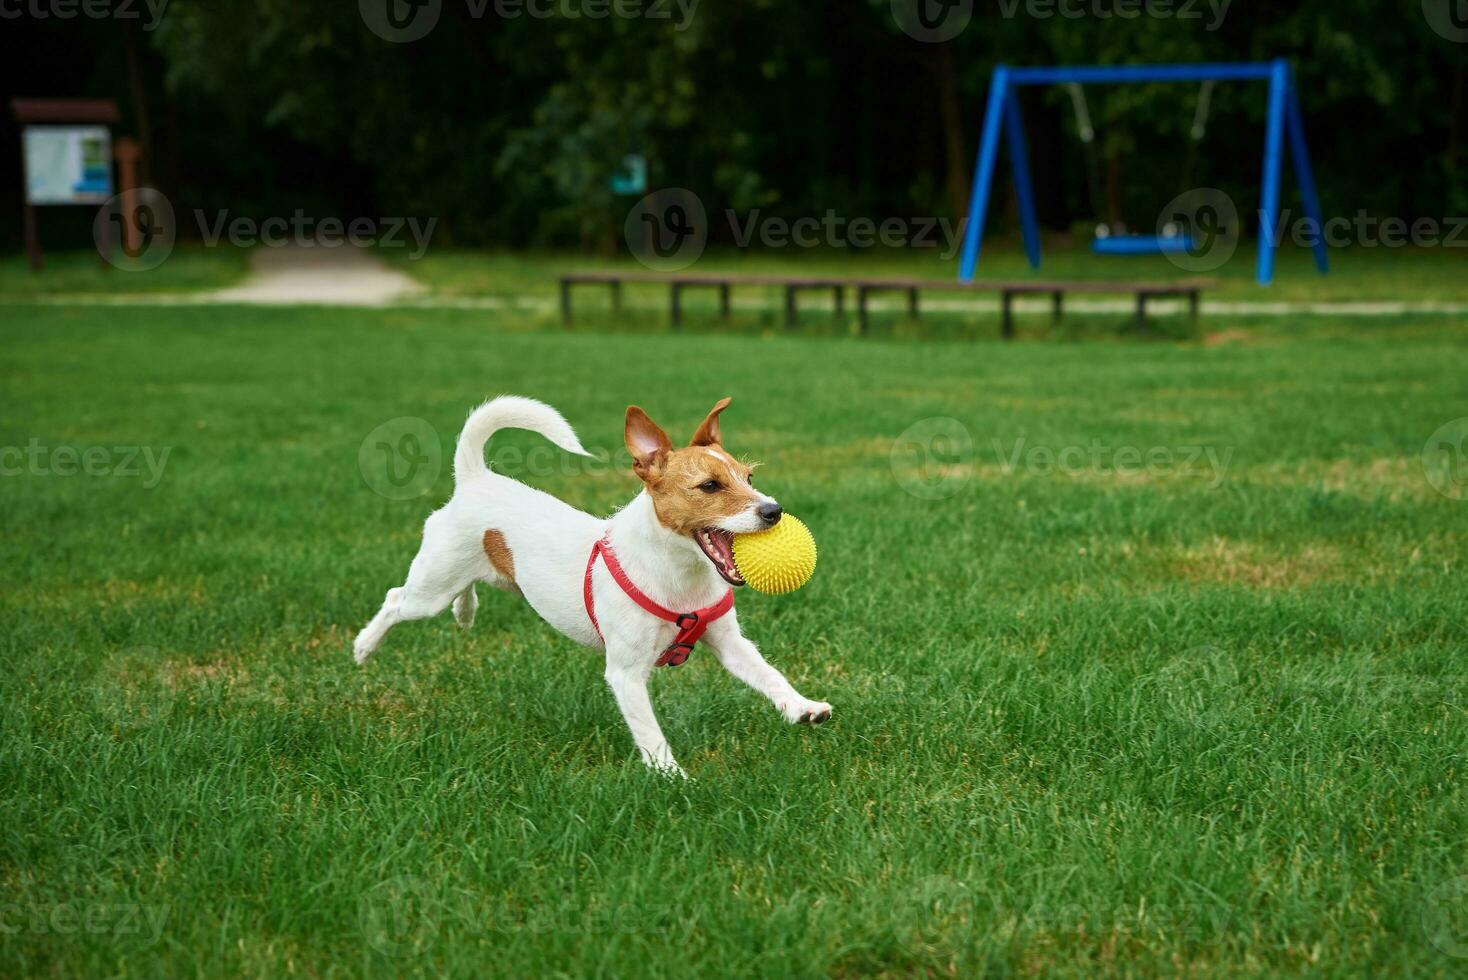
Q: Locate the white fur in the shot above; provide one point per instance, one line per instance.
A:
(551, 541)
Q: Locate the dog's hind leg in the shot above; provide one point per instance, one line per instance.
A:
(441, 572)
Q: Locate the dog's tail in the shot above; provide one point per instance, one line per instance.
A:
(509, 412)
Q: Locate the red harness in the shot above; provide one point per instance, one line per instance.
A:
(690, 624)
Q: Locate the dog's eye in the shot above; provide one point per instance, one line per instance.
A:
(710, 486)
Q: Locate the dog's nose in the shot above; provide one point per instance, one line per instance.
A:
(769, 513)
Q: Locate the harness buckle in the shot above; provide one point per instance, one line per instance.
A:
(685, 627)
(675, 654)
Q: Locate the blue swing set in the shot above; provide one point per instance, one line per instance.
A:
(1002, 120)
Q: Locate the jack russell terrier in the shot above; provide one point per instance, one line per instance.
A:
(644, 584)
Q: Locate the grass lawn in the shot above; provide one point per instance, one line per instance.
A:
(187, 268)
(1356, 274)
(1146, 658)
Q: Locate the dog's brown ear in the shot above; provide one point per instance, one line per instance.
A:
(646, 441)
(708, 433)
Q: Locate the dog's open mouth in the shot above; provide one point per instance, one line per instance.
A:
(718, 545)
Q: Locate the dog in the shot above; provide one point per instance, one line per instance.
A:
(644, 585)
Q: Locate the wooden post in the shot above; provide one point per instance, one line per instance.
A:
(1006, 319)
(724, 300)
(616, 295)
(32, 243)
(1055, 301)
(789, 306)
(127, 152)
(840, 295)
(676, 296)
(861, 310)
(1141, 312)
(912, 303)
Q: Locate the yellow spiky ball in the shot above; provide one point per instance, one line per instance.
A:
(779, 560)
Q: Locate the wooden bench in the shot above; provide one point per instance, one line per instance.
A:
(866, 287)
(1008, 290)
(677, 283)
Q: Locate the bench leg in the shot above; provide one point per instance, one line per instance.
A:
(1006, 317)
(676, 297)
(912, 303)
(565, 303)
(724, 300)
(1055, 307)
(840, 296)
(616, 296)
(789, 306)
(1141, 312)
(861, 310)
(1193, 306)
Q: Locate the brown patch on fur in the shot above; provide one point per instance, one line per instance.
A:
(673, 477)
(498, 552)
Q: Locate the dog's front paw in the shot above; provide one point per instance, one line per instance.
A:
(806, 712)
(668, 768)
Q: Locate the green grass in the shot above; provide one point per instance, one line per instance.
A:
(1125, 721)
(1356, 273)
(187, 268)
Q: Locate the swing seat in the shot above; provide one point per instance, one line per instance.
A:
(1141, 244)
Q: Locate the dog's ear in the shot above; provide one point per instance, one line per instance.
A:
(646, 441)
(708, 433)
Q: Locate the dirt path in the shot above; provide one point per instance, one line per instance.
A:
(296, 275)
